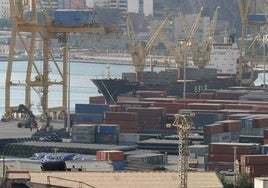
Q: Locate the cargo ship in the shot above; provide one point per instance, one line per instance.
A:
(220, 73)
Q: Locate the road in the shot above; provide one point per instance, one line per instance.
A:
(10, 129)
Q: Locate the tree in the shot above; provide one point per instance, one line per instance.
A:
(243, 181)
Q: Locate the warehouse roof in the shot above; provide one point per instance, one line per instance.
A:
(125, 179)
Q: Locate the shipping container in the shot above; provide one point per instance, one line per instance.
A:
(113, 155)
(212, 129)
(205, 106)
(261, 182)
(149, 158)
(97, 99)
(250, 139)
(91, 108)
(231, 125)
(83, 129)
(122, 116)
(107, 129)
(87, 118)
(170, 107)
(254, 160)
(229, 148)
(200, 119)
(107, 139)
(257, 18)
(75, 17)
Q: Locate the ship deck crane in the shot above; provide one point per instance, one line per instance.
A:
(201, 54)
(25, 18)
(183, 124)
(179, 51)
(137, 51)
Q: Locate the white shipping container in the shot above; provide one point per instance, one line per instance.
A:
(261, 182)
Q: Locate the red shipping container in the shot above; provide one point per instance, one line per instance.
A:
(260, 122)
(265, 141)
(205, 106)
(240, 106)
(122, 116)
(207, 95)
(141, 104)
(219, 166)
(160, 100)
(151, 93)
(223, 157)
(170, 107)
(122, 124)
(192, 95)
(212, 129)
(231, 125)
(237, 116)
(97, 100)
(113, 155)
(265, 134)
(253, 160)
(228, 148)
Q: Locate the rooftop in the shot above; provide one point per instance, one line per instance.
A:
(126, 179)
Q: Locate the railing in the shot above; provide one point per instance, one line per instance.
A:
(80, 184)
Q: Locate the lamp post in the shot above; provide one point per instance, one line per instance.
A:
(69, 88)
(185, 46)
(264, 68)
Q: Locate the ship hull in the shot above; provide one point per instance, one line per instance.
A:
(112, 88)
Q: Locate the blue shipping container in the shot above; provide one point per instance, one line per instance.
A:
(75, 17)
(87, 118)
(107, 129)
(258, 18)
(91, 108)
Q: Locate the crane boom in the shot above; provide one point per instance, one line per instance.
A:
(137, 52)
(201, 53)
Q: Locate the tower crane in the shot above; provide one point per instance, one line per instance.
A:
(183, 124)
(137, 51)
(201, 54)
(25, 18)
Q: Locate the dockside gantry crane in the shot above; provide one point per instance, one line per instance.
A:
(137, 51)
(248, 8)
(25, 17)
(201, 53)
(183, 124)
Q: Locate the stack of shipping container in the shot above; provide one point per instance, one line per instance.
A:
(254, 165)
(222, 131)
(222, 155)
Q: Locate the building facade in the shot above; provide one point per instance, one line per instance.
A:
(141, 6)
(4, 9)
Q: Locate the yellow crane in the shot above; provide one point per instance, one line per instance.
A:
(179, 51)
(247, 7)
(183, 124)
(25, 18)
(201, 54)
(137, 51)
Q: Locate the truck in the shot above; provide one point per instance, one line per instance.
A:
(228, 172)
(29, 121)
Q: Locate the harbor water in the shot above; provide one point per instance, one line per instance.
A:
(81, 88)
